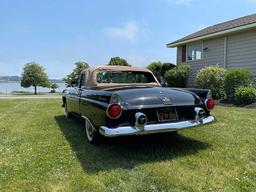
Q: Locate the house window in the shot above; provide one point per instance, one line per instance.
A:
(195, 52)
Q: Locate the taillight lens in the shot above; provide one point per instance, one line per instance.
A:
(114, 111)
(209, 104)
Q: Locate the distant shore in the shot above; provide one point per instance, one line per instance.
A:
(38, 96)
(9, 81)
(14, 87)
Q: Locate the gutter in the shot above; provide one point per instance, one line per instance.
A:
(237, 29)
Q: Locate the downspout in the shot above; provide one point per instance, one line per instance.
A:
(177, 55)
(225, 51)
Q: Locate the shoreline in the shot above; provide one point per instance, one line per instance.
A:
(12, 87)
(28, 96)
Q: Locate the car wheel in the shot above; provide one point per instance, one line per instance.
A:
(92, 134)
(66, 112)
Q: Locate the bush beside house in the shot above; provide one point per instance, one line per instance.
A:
(234, 78)
(235, 84)
(245, 95)
(159, 69)
(155, 67)
(212, 78)
(178, 76)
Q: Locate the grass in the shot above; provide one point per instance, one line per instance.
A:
(22, 92)
(40, 150)
(32, 93)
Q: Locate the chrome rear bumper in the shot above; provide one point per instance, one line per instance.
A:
(153, 128)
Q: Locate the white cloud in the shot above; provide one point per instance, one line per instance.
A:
(180, 2)
(127, 31)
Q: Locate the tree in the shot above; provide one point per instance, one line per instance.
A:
(166, 67)
(178, 76)
(159, 69)
(74, 76)
(118, 61)
(156, 67)
(34, 75)
(54, 86)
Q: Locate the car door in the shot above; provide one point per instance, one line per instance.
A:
(72, 99)
(81, 88)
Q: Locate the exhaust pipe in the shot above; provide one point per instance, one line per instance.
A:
(140, 120)
(200, 113)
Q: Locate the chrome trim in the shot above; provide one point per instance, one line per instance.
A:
(199, 116)
(138, 107)
(153, 128)
(84, 99)
(137, 124)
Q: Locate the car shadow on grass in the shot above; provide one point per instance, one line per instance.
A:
(125, 152)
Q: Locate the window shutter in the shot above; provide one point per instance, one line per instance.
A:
(184, 53)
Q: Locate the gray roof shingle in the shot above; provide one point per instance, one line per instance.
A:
(250, 19)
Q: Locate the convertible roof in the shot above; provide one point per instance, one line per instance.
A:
(116, 68)
(91, 71)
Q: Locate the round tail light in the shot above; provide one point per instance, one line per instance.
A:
(114, 111)
(209, 104)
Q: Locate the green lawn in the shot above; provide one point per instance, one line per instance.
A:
(40, 150)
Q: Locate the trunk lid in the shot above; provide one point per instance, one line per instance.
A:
(158, 96)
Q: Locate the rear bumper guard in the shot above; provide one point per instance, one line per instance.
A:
(153, 128)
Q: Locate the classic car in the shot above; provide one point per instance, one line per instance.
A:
(119, 101)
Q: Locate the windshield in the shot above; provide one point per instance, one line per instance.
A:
(124, 77)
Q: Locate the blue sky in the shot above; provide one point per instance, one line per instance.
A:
(56, 33)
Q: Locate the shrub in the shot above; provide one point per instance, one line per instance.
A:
(212, 78)
(235, 78)
(155, 67)
(177, 77)
(245, 95)
(254, 82)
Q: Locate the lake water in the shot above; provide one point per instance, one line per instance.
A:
(8, 87)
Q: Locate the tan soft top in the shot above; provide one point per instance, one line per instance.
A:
(91, 79)
(116, 68)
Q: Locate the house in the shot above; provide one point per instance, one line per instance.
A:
(229, 44)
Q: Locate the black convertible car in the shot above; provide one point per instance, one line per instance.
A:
(118, 101)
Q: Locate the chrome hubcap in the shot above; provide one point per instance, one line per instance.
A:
(89, 129)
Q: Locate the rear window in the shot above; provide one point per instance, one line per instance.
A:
(124, 77)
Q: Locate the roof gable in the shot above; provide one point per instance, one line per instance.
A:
(216, 29)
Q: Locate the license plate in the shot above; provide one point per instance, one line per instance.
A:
(169, 114)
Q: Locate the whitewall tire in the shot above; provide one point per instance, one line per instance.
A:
(92, 134)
